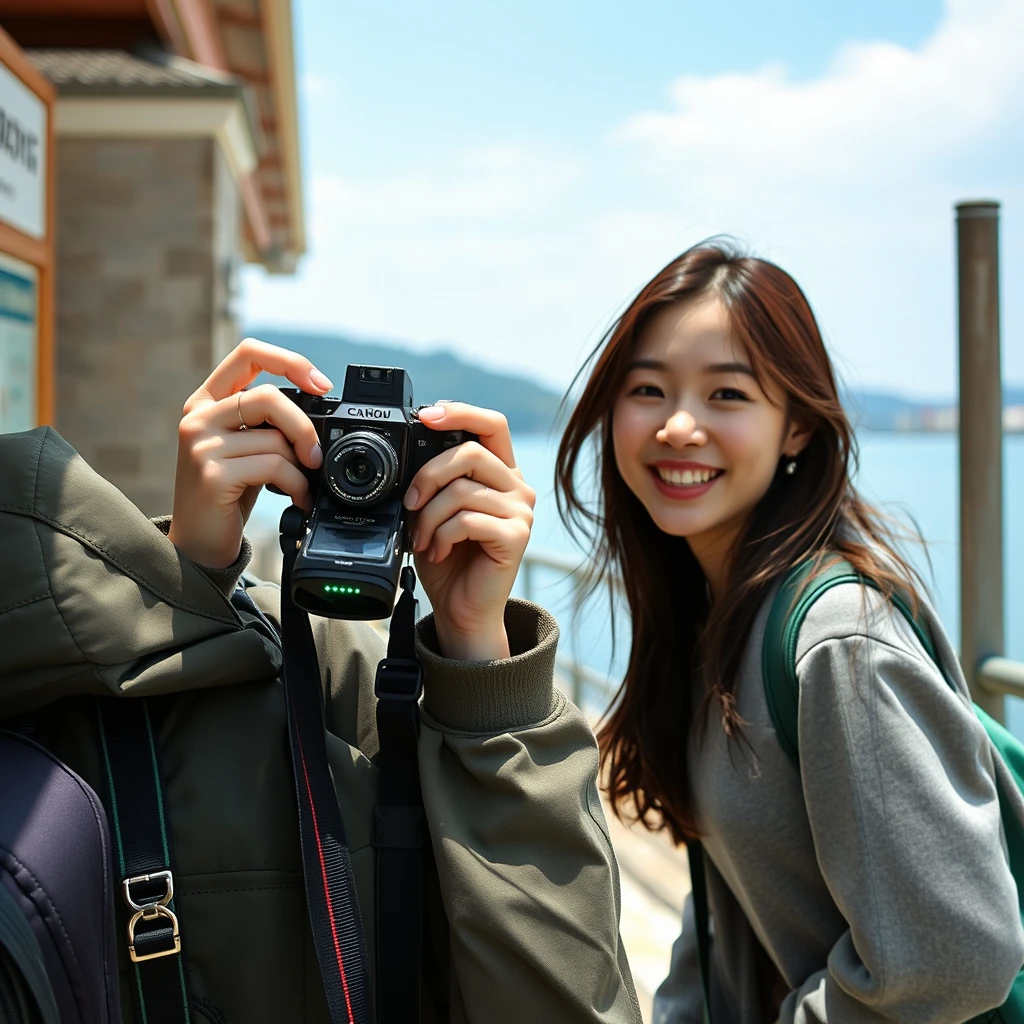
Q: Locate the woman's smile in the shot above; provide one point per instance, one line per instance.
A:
(684, 481)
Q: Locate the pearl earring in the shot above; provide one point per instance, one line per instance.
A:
(791, 467)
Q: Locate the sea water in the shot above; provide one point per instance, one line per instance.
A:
(911, 477)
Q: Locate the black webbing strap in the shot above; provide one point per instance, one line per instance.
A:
(135, 802)
(702, 920)
(326, 864)
(398, 825)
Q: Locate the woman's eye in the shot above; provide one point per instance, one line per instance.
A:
(730, 395)
(647, 391)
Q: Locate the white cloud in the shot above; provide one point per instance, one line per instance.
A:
(880, 110)
(848, 179)
(477, 184)
(316, 87)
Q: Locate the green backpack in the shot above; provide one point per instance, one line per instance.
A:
(782, 693)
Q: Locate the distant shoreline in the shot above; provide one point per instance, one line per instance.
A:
(941, 431)
(1007, 431)
(531, 407)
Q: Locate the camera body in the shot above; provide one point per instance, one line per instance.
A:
(348, 565)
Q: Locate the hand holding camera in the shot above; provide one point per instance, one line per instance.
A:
(350, 462)
(222, 464)
(475, 513)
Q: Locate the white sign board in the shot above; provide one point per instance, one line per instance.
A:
(18, 305)
(22, 156)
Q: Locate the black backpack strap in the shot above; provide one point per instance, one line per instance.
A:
(399, 829)
(331, 895)
(702, 919)
(142, 844)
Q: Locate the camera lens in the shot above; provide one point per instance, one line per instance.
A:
(360, 467)
(359, 470)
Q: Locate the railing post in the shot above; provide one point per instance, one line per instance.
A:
(527, 570)
(981, 444)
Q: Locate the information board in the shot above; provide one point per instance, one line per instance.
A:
(23, 156)
(18, 328)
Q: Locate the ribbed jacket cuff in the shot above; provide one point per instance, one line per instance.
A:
(493, 696)
(226, 579)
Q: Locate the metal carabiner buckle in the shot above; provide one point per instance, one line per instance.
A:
(150, 901)
(151, 909)
(151, 913)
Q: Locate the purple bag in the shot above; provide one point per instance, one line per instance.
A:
(58, 959)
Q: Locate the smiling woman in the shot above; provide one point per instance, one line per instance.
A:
(725, 463)
(691, 392)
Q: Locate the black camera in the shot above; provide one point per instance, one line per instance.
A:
(349, 563)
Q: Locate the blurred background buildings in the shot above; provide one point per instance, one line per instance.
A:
(148, 148)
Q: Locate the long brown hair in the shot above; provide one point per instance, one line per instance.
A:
(814, 513)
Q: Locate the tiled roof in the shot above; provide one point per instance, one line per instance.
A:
(117, 72)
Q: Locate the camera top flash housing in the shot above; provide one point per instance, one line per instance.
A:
(349, 563)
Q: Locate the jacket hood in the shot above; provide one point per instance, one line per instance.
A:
(96, 599)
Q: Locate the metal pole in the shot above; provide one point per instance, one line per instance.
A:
(981, 445)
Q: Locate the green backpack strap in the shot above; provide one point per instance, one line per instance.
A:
(793, 601)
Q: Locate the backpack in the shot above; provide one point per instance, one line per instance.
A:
(58, 954)
(782, 693)
(58, 962)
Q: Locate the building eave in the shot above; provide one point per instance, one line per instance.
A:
(277, 15)
(120, 115)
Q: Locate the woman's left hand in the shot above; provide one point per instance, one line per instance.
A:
(474, 515)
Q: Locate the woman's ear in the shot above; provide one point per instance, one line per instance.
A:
(798, 437)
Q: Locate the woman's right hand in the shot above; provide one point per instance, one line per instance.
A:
(222, 467)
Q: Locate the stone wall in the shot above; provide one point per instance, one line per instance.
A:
(147, 232)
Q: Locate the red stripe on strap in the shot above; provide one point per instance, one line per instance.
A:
(327, 891)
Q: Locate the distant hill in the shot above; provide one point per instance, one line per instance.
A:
(531, 407)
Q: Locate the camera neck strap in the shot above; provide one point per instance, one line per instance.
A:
(331, 897)
(399, 830)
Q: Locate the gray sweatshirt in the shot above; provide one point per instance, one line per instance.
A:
(876, 878)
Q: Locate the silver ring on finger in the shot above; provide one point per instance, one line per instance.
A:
(242, 424)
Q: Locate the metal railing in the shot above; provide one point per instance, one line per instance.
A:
(997, 676)
(1001, 676)
(982, 644)
(578, 674)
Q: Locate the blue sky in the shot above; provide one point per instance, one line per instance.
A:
(499, 179)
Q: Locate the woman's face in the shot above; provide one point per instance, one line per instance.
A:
(696, 438)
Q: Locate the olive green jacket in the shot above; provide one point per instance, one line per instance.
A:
(523, 913)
